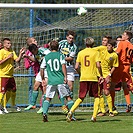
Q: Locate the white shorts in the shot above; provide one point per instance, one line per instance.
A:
(38, 76)
(70, 76)
(61, 89)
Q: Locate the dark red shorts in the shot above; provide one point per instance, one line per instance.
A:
(121, 73)
(129, 85)
(90, 87)
(7, 84)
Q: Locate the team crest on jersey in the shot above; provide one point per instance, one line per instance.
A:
(111, 58)
(65, 51)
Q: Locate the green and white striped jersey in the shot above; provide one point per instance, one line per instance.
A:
(69, 50)
(41, 53)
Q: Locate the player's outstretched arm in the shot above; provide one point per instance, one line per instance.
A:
(22, 51)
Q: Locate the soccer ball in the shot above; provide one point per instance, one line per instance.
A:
(81, 11)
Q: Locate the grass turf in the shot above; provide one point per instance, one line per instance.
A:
(31, 122)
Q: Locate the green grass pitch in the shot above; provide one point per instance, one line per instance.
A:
(31, 122)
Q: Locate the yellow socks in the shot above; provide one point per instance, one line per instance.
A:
(109, 101)
(101, 104)
(4, 101)
(1, 97)
(6, 98)
(76, 104)
(96, 106)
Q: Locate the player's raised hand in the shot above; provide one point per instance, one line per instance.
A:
(22, 50)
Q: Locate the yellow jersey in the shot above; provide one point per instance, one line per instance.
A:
(108, 60)
(100, 49)
(87, 59)
(7, 68)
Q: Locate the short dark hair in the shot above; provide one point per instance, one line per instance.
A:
(70, 32)
(108, 37)
(54, 45)
(129, 33)
(6, 38)
(112, 42)
(32, 47)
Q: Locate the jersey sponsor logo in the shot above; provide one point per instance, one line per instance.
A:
(65, 51)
